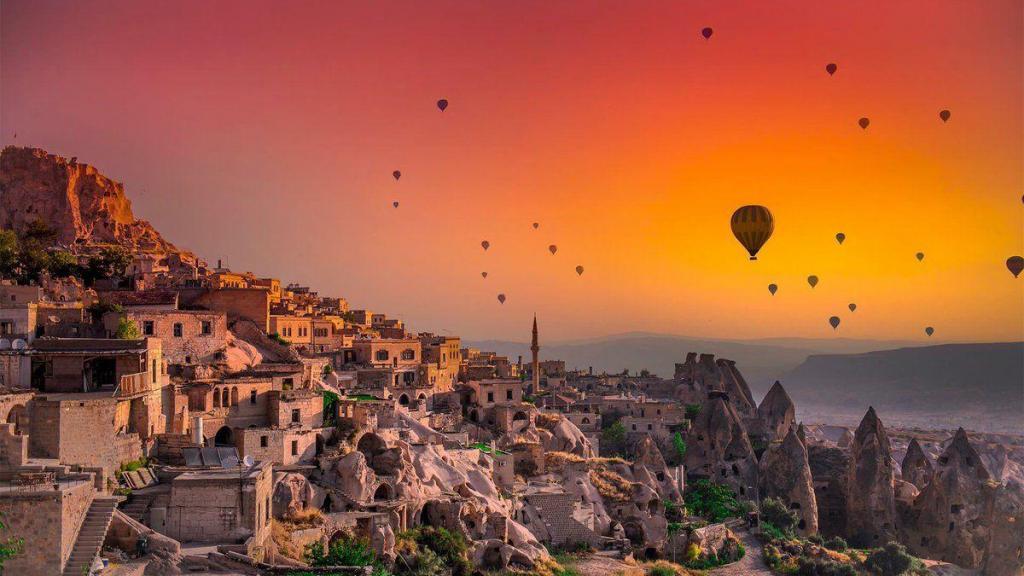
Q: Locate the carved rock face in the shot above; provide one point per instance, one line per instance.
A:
(777, 413)
(785, 474)
(916, 467)
(871, 506)
(719, 450)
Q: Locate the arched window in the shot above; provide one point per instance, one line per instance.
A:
(252, 397)
(225, 401)
(216, 399)
(234, 395)
(585, 421)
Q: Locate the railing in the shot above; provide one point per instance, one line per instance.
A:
(131, 385)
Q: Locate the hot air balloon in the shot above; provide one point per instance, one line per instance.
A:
(579, 270)
(944, 115)
(707, 32)
(484, 274)
(397, 174)
(834, 321)
(442, 104)
(395, 203)
(929, 331)
(831, 68)
(485, 244)
(773, 289)
(501, 298)
(1015, 264)
(919, 256)
(536, 225)
(812, 280)
(864, 123)
(553, 248)
(752, 226)
(853, 307)
(840, 237)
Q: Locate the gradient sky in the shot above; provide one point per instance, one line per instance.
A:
(265, 133)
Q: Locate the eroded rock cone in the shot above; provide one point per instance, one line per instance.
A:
(720, 450)
(777, 412)
(916, 467)
(871, 506)
(785, 474)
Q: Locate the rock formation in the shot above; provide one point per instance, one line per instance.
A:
(777, 413)
(786, 474)
(719, 449)
(81, 205)
(870, 500)
(1006, 543)
(916, 467)
(951, 517)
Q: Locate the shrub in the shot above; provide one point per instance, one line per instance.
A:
(346, 551)
(814, 567)
(771, 532)
(892, 560)
(816, 539)
(836, 543)
(716, 502)
(450, 547)
(680, 445)
(127, 330)
(775, 512)
(692, 411)
(661, 570)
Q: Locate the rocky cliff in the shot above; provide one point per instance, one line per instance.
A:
(81, 205)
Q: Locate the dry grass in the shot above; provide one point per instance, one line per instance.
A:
(555, 461)
(307, 518)
(280, 533)
(547, 420)
(611, 486)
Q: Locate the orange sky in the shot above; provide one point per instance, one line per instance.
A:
(268, 138)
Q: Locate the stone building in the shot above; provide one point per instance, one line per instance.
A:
(217, 505)
(187, 336)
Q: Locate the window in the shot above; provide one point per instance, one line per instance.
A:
(263, 441)
(508, 394)
(207, 328)
(295, 447)
(252, 397)
(408, 354)
(296, 415)
(287, 383)
(490, 396)
(381, 355)
(178, 330)
(224, 399)
(147, 327)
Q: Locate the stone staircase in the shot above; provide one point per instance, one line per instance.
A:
(137, 506)
(90, 536)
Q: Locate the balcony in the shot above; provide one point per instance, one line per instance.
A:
(133, 386)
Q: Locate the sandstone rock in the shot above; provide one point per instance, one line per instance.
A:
(786, 474)
(777, 412)
(719, 449)
(916, 467)
(871, 506)
(1005, 554)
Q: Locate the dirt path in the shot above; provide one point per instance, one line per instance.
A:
(751, 563)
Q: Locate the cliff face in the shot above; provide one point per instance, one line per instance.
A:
(81, 205)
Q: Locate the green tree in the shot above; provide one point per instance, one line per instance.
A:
(680, 445)
(346, 551)
(692, 411)
(715, 502)
(8, 254)
(109, 262)
(614, 438)
(892, 560)
(127, 329)
(775, 512)
(62, 264)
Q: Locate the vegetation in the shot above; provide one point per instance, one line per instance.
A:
(692, 411)
(427, 547)
(346, 551)
(133, 465)
(613, 438)
(10, 547)
(28, 256)
(715, 502)
(836, 543)
(277, 338)
(127, 329)
(891, 560)
(821, 567)
(680, 445)
(712, 560)
(330, 407)
(775, 514)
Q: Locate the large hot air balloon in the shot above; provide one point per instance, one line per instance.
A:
(929, 331)
(944, 115)
(397, 174)
(919, 256)
(536, 225)
(501, 298)
(831, 68)
(553, 248)
(1015, 264)
(834, 321)
(707, 32)
(752, 226)
(484, 274)
(442, 104)
(812, 280)
(773, 288)
(579, 270)
(485, 244)
(863, 122)
(840, 237)
(853, 307)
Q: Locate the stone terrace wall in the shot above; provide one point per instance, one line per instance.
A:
(49, 522)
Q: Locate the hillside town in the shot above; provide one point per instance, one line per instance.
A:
(162, 414)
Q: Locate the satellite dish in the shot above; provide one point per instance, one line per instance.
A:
(19, 344)
(5, 344)
(248, 461)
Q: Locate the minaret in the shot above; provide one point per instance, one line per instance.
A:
(535, 349)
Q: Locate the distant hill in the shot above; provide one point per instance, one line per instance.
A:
(761, 361)
(978, 386)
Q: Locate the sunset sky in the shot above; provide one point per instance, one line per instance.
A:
(265, 133)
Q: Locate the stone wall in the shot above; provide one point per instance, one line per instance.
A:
(282, 406)
(282, 446)
(193, 346)
(249, 303)
(80, 432)
(48, 521)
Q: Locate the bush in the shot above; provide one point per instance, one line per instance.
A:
(775, 512)
(771, 532)
(661, 570)
(127, 330)
(692, 411)
(346, 551)
(836, 543)
(716, 502)
(892, 560)
(450, 547)
(816, 539)
(814, 567)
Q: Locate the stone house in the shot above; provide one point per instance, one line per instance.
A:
(187, 336)
(384, 352)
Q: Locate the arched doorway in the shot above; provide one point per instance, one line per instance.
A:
(383, 493)
(403, 400)
(224, 437)
(19, 417)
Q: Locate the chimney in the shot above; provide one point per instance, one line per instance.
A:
(591, 370)
(218, 264)
(197, 430)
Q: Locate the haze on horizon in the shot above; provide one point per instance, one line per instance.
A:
(267, 138)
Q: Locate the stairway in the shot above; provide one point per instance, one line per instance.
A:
(90, 536)
(137, 506)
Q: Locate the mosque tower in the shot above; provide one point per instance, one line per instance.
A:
(535, 349)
